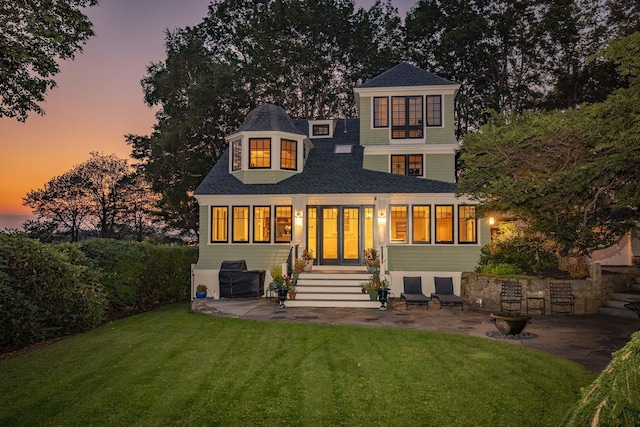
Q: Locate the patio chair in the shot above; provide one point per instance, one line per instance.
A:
(444, 293)
(413, 292)
(511, 297)
(561, 298)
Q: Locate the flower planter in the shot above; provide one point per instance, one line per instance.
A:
(201, 294)
(373, 268)
(373, 295)
(509, 324)
(282, 296)
(383, 297)
(308, 265)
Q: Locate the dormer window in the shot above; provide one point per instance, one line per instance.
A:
(406, 117)
(320, 130)
(236, 153)
(288, 154)
(259, 153)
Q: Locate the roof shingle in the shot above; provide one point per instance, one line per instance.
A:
(406, 74)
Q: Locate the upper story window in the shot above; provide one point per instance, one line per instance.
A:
(320, 130)
(380, 112)
(406, 117)
(236, 153)
(288, 154)
(409, 164)
(467, 231)
(260, 153)
(434, 110)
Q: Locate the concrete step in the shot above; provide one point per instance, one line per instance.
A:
(617, 304)
(334, 276)
(351, 296)
(332, 303)
(345, 289)
(616, 312)
(341, 282)
(625, 296)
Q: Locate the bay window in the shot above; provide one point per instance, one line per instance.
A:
(259, 153)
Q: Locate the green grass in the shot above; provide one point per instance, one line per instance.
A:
(174, 367)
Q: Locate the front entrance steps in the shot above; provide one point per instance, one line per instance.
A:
(615, 306)
(332, 286)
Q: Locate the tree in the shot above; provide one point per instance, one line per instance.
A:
(62, 202)
(570, 174)
(33, 36)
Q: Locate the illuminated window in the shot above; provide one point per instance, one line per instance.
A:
(236, 151)
(421, 224)
(261, 223)
(320, 130)
(380, 112)
(219, 223)
(398, 223)
(288, 154)
(240, 224)
(467, 232)
(434, 110)
(283, 223)
(410, 164)
(444, 224)
(259, 153)
(406, 117)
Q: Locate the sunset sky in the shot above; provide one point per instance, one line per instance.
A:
(98, 99)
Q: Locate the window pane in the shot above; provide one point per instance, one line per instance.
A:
(312, 230)
(398, 165)
(415, 165)
(260, 153)
(415, 111)
(240, 224)
(261, 224)
(219, 222)
(283, 223)
(398, 223)
(434, 110)
(380, 112)
(444, 224)
(320, 130)
(237, 155)
(288, 154)
(398, 111)
(422, 224)
(407, 117)
(467, 224)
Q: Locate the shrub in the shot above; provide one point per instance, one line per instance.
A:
(43, 294)
(513, 245)
(500, 269)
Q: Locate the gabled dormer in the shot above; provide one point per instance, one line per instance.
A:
(407, 123)
(267, 147)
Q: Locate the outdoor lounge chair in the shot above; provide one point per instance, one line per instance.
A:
(413, 292)
(444, 293)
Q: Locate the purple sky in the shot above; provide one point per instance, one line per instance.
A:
(98, 99)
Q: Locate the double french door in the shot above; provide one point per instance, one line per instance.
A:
(339, 234)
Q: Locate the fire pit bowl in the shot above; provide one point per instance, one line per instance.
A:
(509, 324)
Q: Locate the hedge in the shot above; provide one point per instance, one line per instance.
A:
(48, 291)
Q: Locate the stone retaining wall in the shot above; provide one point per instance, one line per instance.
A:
(589, 293)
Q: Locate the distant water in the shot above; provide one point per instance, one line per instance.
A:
(14, 221)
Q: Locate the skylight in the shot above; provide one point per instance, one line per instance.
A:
(342, 149)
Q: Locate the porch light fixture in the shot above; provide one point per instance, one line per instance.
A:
(382, 216)
(298, 219)
(492, 220)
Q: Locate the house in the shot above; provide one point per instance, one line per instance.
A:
(337, 187)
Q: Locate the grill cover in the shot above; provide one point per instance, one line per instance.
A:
(236, 281)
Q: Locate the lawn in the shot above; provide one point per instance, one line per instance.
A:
(174, 367)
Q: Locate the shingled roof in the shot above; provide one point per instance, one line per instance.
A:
(406, 74)
(324, 172)
(268, 117)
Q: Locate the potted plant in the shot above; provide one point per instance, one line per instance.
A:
(201, 291)
(281, 283)
(307, 256)
(374, 286)
(383, 293)
(293, 282)
(371, 259)
(299, 265)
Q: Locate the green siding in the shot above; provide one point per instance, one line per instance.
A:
(441, 167)
(433, 258)
(263, 176)
(258, 257)
(367, 134)
(378, 162)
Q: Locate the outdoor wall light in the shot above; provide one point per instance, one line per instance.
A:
(298, 218)
(492, 220)
(382, 216)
